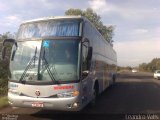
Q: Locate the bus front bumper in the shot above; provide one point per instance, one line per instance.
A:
(62, 104)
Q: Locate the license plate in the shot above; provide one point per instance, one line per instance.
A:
(37, 104)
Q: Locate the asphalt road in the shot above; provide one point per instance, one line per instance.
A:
(133, 94)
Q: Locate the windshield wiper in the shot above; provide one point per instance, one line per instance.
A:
(33, 59)
(45, 62)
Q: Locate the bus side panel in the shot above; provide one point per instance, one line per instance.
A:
(104, 54)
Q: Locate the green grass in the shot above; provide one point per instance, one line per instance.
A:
(3, 101)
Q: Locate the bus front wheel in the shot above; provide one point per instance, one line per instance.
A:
(95, 94)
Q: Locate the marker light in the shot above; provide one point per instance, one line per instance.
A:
(75, 93)
(68, 94)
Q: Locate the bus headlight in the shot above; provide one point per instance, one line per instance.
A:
(13, 91)
(68, 94)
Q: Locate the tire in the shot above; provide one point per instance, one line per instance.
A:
(113, 79)
(95, 94)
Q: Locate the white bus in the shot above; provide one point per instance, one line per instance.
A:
(59, 63)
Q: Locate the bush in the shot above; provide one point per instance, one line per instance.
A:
(151, 66)
(4, 65)
(3, 87)
(4, 72)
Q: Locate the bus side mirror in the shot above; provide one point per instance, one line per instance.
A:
(4, 46)
(90, 51)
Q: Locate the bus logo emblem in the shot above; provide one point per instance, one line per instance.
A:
(37, 93)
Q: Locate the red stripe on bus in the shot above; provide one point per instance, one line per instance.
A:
(63, 87)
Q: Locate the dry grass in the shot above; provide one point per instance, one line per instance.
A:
(3, 101)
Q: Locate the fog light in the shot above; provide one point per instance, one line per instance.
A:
(75, 104)
(10, 102)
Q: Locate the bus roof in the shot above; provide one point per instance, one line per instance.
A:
(53, 18)
(62, 17)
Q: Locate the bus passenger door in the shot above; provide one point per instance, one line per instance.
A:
(86, 77)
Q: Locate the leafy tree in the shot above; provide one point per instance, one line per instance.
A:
(151, 66)
(74, 12)
(4, 65)
(120, 68)
(6, 35)
(129, 68)
(143, 67)
(106, 31)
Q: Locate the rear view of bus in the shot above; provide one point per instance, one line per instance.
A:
(59, 63)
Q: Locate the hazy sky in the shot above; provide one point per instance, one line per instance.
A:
(137, 22)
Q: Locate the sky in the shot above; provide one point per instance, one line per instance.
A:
(137, 22)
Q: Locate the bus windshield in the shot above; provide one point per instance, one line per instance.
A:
(49, 29)
(39, 58)
(60, 57)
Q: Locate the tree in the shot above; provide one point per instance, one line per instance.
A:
(151, 66)
(106, 31)
(4, 64)
(6, 35)
(74, 12)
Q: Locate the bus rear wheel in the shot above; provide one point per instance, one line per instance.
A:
(113, 79)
